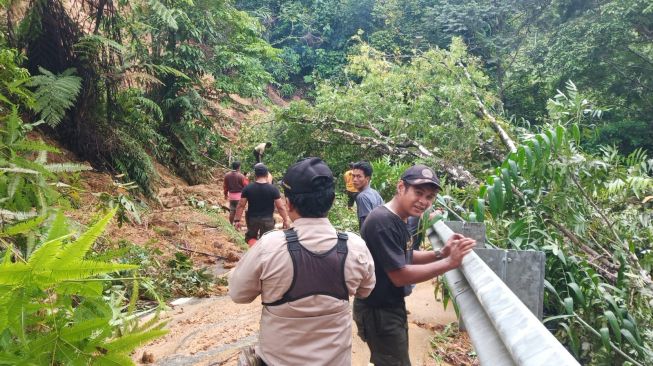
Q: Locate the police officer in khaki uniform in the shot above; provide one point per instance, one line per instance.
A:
(305, 276)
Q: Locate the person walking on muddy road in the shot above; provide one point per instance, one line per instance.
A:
(233, 185)
(350, 189)
(368, 198)
(259, 151)
(381, 318)
(305, 276)
(261, 198)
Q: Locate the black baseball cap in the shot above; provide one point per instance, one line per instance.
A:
(420, 174)
(307, 176)
(260, 170)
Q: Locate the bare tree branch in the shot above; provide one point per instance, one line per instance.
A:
(505, 138)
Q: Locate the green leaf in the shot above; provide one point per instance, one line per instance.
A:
(537, 150)
(494, 208)
(614, 324)
(529, 159)
(505, 176)
(578, 294)
(516, 228)
(575, 130)
(630, 338)
(569, 305)
(605, 337)
(545, 145)
(479, 209)
(560, 133)
(498, 193)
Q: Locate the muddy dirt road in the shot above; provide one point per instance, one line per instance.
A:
(210, 331)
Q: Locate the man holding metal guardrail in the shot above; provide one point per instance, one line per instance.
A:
(381, 318)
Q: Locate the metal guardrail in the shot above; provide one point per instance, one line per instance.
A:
(501, 328)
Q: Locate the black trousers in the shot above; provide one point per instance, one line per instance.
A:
(385, 330)
(258, 156)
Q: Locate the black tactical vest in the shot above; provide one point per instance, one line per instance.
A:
(315, 274)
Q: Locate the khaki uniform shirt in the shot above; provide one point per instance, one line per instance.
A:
(315, 330)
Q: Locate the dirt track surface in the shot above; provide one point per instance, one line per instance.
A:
(211, 331)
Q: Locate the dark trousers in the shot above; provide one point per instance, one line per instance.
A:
(352, 198)
(385, 330)
(257, 226)
(257, 156)
(232, 210)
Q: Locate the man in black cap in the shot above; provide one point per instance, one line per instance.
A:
(381, 318)
(305, 276)
(261, 197)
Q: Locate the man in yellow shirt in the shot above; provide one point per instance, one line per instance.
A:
(350, 189)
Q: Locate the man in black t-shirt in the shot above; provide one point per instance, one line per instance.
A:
(381, 318)
(261, 198)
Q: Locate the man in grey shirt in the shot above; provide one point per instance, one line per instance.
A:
(368, 198)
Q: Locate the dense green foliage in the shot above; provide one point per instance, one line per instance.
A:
(148, 72)
(53, 309)
(529, 48)
(598, 244)
(589, 212)
(57, 306)
(406, 111)
(471, 88)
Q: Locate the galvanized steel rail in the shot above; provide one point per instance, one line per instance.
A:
(502, 329)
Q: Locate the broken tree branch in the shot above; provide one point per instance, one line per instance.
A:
(505, 138)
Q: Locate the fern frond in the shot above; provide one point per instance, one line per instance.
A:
(129, 342)
(143, 77)
(113, 359)
(54, 94)
(46, 253)
(33, 146)
(42, 157)
(71, 271)
(84, 329)
(92, 43)
(164, 15)
(150, 106)
(7, 257)
(166, 70)
(58, 228)
(87, 289)
(13, 274)
(67, 167)
(22, 227)
(18, 171)
(76, 250)
(11, 216)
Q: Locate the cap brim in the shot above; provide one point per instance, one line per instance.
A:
(416, 182)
